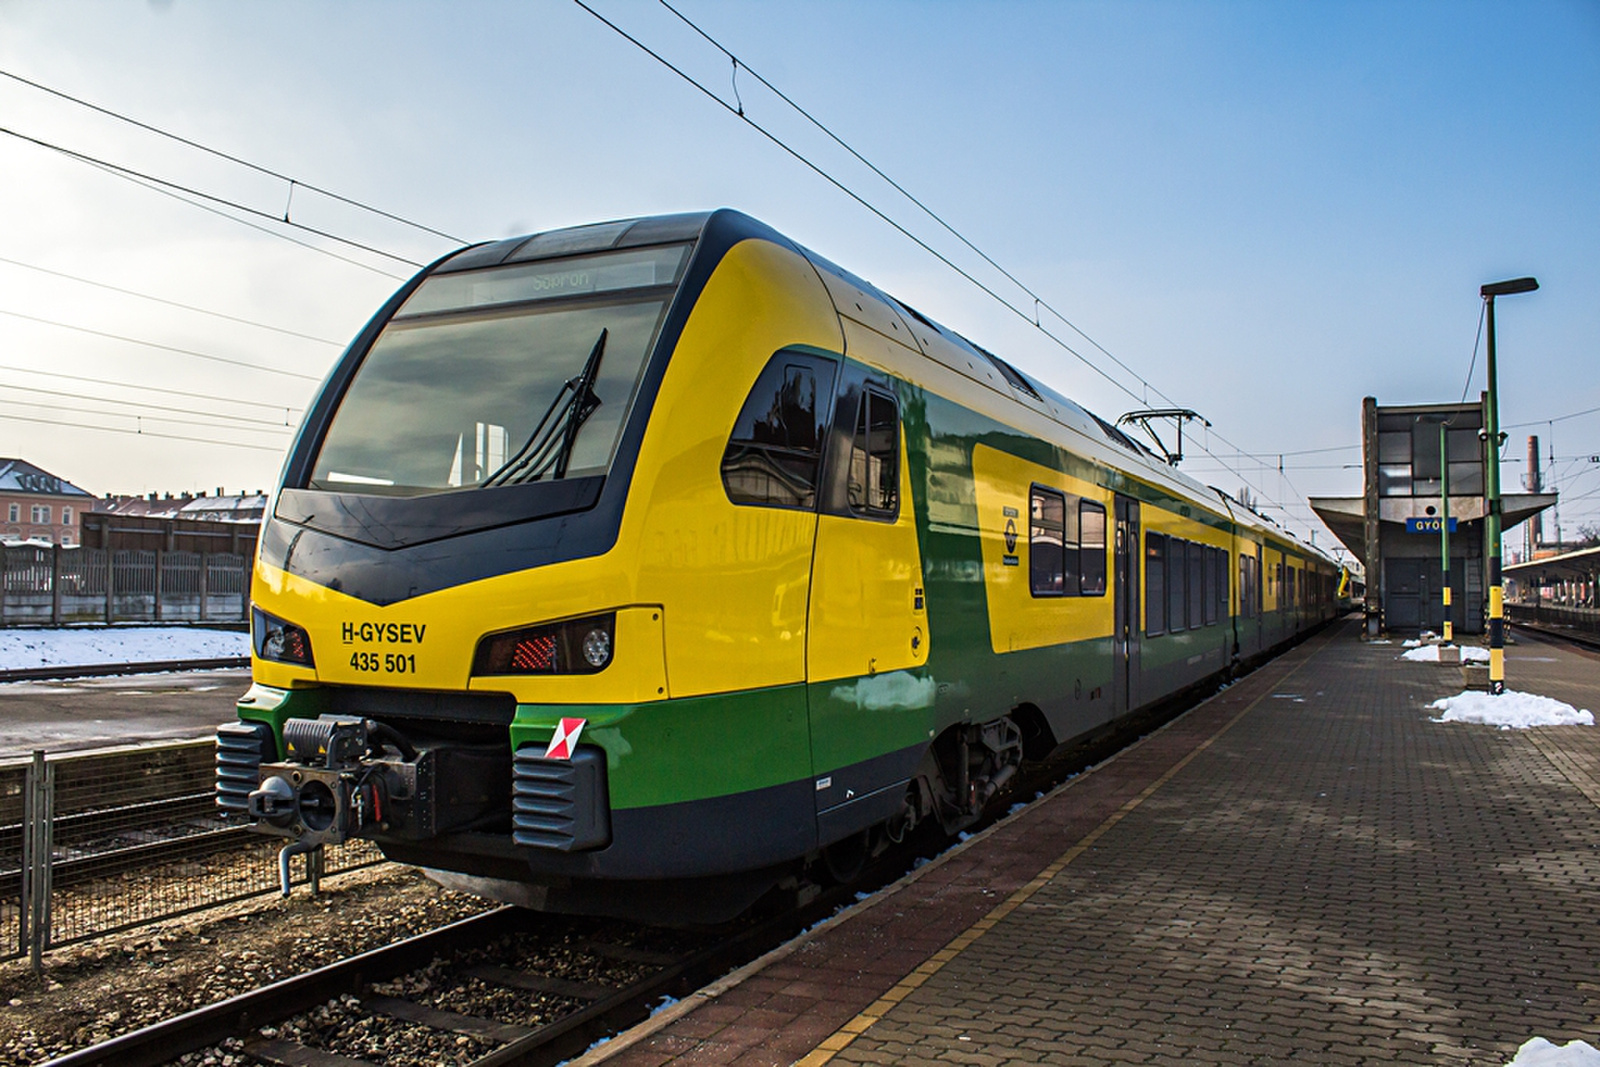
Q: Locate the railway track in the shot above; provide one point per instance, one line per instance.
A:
(1572, 637)
(505, 987)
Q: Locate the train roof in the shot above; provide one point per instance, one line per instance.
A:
(719, 230)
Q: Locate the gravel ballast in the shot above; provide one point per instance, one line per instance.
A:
(95, 991)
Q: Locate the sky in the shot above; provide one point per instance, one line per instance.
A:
(1261, 211)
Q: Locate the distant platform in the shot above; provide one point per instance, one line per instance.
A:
(1305, 867)
(82, 713)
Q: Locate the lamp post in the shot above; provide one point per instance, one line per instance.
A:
(1491, 490)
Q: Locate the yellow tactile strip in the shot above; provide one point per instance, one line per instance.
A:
(843, 1037)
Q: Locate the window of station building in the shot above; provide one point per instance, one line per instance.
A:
(774, 454)
(41, 513)
(1047, 543)
(1409, 460)
(1092, 548)
(14, 513)
(66, 515)
(1155, 584)
(874, 480)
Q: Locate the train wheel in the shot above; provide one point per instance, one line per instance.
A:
(845, 859)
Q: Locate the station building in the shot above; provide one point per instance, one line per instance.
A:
(1409, 452)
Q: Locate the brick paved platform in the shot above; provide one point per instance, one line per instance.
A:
(1304, 867)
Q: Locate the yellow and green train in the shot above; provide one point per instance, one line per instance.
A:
(630, 568)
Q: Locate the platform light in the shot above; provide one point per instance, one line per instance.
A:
(1491, 488)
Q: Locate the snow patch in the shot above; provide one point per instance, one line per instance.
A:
(1430, 654)
(20, 649)
(1413, 643)
(1510, 711)
(1537, 1052)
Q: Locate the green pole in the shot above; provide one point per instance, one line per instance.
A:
(1491, 490)
(1444, 528)
(1491, 522)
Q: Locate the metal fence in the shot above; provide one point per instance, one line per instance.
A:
(50, 584)
(1580, 621)
(96, 843)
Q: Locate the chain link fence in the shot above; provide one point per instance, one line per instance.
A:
(49, 584)
(97, 843)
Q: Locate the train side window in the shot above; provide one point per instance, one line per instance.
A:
(1091, 548)
(1155, 584)
(1047, 542)
(1197, 585)
(1247, 600)
(1211, 582)
(1177, 572)
(774, 454)
(874, 483)
(1223, 572)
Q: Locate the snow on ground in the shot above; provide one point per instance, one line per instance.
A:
(1537, 1052)
(20, 649)
(1510, 711)
(1430, 654)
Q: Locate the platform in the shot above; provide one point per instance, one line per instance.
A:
(82, 713)
(1303, 867)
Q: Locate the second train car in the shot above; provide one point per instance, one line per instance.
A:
(630, 568)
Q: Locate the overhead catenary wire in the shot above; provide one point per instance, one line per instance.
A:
(169, 303)
(143, 433)
(799, 157)
(279, 425)
(1558, 418)
(1477, 339)
(742, 113)
(286, 408)
(160, 347)
(84, 157)
(294, 183)
(279, 234)
(1038, 301)
(210, 424)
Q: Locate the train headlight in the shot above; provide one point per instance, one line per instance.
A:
(279, 641)
(578, 646)
(597, 647)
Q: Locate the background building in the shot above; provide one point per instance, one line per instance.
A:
(39, 506)
(1393, 527)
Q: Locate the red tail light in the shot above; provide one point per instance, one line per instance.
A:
(579, 646)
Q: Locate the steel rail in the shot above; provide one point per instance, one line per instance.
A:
(165, 1041)
(109, 670)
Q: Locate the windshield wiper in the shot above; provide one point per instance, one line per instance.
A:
(548, 448)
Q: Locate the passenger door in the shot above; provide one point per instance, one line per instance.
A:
(867, 631)
(1126, 631)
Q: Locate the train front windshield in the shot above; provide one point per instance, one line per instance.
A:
(503, 376)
